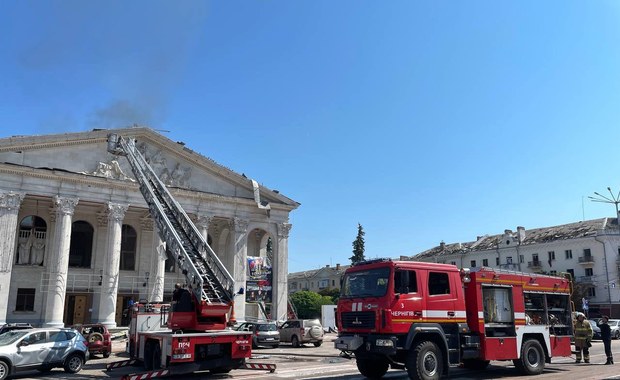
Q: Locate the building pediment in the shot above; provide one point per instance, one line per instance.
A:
(85, 154)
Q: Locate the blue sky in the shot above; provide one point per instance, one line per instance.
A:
(423, 121)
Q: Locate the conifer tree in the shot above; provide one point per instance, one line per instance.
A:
(358, 246)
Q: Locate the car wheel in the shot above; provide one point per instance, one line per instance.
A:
(617, 334)
(95, 337)
(106, 354)
(4, 370)
(74, 363)
(276, 346)
(318, 344)
(295, 341)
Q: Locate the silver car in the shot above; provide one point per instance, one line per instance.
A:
(300, 331)
(42, 349)
(614, 325)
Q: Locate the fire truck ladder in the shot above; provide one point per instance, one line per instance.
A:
(205, 273)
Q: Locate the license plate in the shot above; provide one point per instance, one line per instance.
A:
(182, 356)
(342, 346)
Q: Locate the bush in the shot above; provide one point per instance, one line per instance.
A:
(308, 304)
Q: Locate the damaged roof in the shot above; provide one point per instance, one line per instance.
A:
(532, 236)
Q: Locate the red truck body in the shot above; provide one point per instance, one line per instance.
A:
(425, 317)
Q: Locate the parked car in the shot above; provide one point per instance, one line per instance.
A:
(98, 338)
(614, 325)
(595, 329)
(300, 331)
(14, 326)
(263, 333)
(42, 349)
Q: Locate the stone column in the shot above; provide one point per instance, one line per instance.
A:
(111, 263)
(58, 263)
(280, 270)
(202, 223)
(158, 261)
(240, 260)
(9, 208)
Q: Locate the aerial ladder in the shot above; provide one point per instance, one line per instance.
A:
(211, 285)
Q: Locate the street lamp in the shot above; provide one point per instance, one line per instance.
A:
(614, 200)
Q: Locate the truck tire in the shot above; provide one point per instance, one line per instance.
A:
(156, 356)
(425, 362)
(373, 367)
(475, 364)
(532, 361)
(148, 357)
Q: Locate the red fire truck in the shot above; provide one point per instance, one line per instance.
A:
(426, 317)
(191, 334)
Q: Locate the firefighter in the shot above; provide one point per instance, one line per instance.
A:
(583, 336)
(606, 336)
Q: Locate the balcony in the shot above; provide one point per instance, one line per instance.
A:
(534, 265)
(586, 260)
(586, 280)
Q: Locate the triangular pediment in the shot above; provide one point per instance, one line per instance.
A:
(85, 154)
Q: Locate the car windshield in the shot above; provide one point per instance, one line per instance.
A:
(269, 327)
(367, 283)
(312, 322)
(10, 337)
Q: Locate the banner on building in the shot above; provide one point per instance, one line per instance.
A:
(258, 283)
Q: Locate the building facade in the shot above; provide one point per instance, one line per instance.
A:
(77, 242)
(316, 280)
(588, 250)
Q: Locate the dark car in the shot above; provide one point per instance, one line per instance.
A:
(98, 338)
(14, 326)
(595, 329)
(263, 333)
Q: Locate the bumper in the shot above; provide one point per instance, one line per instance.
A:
(378, 344)
(267, 341)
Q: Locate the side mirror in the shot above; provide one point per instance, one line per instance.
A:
(23, 343)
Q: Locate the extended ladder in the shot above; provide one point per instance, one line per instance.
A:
(205, 273)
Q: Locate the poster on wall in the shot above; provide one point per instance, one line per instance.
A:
(258, 283)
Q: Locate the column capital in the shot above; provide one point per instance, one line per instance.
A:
(283, 229)
(64, 205)
(203, 221)
(11, 200)
(116, 211)
(241, 225)
(146, 223)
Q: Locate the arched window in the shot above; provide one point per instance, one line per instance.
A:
(128, 248)
(31, 241)
(81, 249)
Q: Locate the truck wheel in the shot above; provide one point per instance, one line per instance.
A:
(532, 361)
(156, 356)
(373, 367)
(295, 341)
(425, 362)
(475, 363)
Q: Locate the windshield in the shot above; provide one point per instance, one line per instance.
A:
(269, 327)
(368, 283)
(11, 336)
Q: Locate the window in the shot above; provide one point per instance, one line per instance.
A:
(535, 258)
(58, 336)
(453, 262)
(25, 299)
(589, 272)
(497, 261)
(587, 252)
(521, 259)
(411, 286)
(128, 248)
(591, 292)
(323, 284)
(333, 283)
(473, 263)
(80, 251)
(553, 272)
(31, 241)
(293, 285)
(485, 262)
(569, 254)
(509, 260)
(438, 283)
(36, 338)
(551, 255)
(572, 273)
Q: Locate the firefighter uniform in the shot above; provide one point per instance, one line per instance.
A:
(583, 336)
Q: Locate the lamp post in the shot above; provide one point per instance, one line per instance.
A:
(615, 200)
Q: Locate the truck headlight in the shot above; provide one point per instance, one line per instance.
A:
(384, 343)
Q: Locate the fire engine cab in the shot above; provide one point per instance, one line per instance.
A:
(425, 317)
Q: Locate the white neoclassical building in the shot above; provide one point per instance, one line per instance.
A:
(77, 242)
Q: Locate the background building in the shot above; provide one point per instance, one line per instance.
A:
(588, 250)
(317, 279)
(77, 241)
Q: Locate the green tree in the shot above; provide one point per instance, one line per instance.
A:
(332, 293)
(358, 246)
(308, 304)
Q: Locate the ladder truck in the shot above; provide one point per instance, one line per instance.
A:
(425, 317)
(189, 335)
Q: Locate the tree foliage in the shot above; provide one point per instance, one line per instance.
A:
(308, 304)
(358, 246)
(332, 293)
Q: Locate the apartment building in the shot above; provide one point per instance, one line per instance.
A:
(317, 279)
